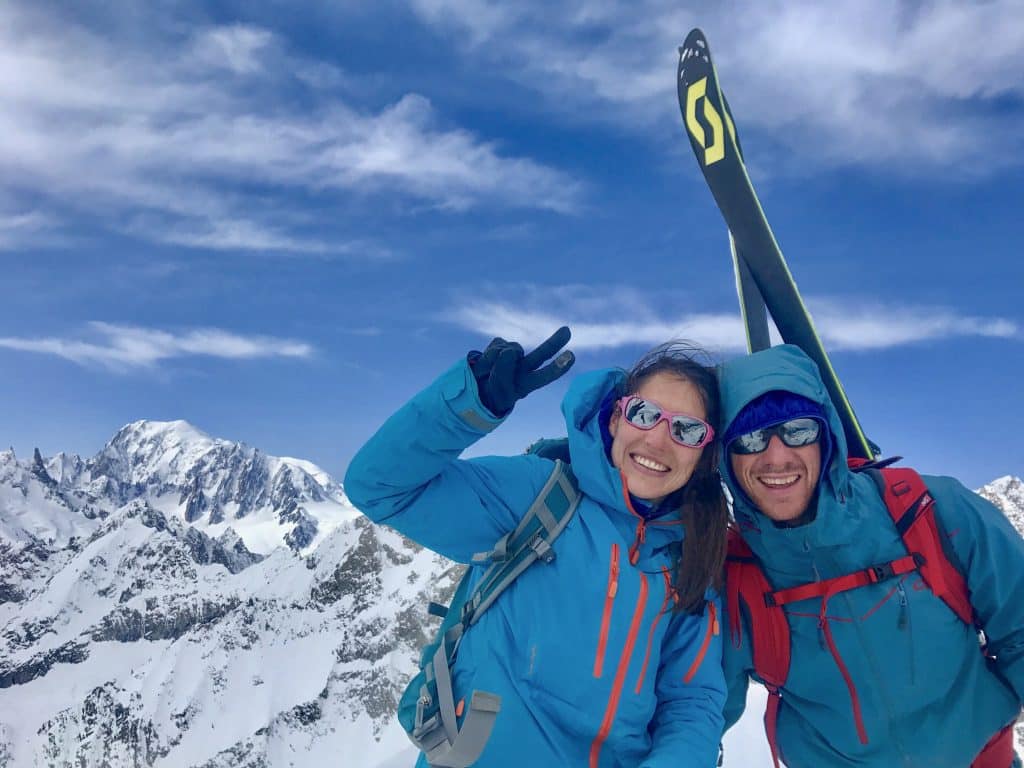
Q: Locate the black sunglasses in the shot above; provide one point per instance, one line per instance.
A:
(795, 433)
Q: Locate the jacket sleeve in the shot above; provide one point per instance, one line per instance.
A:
(409, 477)
(687, 724)
(991, 554)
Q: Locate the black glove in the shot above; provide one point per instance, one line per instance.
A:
(505, 374)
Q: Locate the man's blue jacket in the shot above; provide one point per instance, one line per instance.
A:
(592, 665)
(929, 698)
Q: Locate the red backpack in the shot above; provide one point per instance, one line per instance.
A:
(912, 509)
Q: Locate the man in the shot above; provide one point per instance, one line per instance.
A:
(884, 674)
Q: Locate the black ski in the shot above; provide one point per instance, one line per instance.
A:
(752, 307)
(756, 253)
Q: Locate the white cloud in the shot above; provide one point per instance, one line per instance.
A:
(17, 228)
(908, 87)
(849, 324)
(238, 47)
(401, 147)
(530, 327)
(599, 317)
(612, 318)
(123, 348)
(191, 133)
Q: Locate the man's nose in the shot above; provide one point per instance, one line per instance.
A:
(776, 448)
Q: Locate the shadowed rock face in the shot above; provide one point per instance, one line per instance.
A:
(39, 665)
(103, 732)
(159, 622)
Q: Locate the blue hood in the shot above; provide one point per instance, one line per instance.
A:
(597, 477)
(786, 367)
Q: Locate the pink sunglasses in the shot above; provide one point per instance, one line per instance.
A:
(685, 429)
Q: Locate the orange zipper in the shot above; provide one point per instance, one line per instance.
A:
(606, 618)
(620, 674)
(712, 630)
(654, 625)
(641, 527)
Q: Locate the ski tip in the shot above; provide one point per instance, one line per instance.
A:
(695, 44)
(695, 39)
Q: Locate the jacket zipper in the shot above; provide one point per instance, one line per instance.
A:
(606, 617)
(712, 630)
(669, 594)
(620, 673)
(880, 683)
(903, 623)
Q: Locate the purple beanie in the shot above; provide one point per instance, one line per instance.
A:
(775, 407)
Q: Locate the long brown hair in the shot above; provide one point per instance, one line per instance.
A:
(701, 503)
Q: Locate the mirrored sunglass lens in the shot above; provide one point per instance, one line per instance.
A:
(641, 413)
(751, 442)
(688, 431)
(799, 432)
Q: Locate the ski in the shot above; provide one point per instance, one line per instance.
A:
(757, 258)
(752, 307)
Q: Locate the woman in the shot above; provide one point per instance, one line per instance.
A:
(610, 655)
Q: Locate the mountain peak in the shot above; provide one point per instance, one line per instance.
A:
(145, 437)
(1007, 493)
(211, 483)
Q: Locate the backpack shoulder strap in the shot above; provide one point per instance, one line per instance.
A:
(769, 627)
(912, 509)
(531, 540)
(433, 714)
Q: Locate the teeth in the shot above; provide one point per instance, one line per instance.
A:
(643, 461)
(780, 480)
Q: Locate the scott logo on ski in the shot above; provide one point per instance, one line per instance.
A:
(697, 92)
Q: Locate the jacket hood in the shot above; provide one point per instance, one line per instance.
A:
(788, 368)
(598, 478)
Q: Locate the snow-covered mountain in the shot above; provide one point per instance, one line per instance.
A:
(1007, 493)
(210, 483)
(132, 637)
(188, 602)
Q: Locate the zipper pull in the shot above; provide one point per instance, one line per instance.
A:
(901, 623)
(613, 578)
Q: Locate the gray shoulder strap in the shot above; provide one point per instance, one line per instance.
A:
(437, 732)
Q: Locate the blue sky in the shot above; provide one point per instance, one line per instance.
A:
(278, 221)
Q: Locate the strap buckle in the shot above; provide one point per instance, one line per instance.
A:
(881, 572)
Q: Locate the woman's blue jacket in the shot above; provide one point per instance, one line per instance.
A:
(592, 664)
(927, 695)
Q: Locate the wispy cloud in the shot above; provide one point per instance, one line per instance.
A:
(17, 228)
(197, 139)
(123, 348)
(844, 324)
(905, 86)
(850, 324)
(599, 317)
(718, 332)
